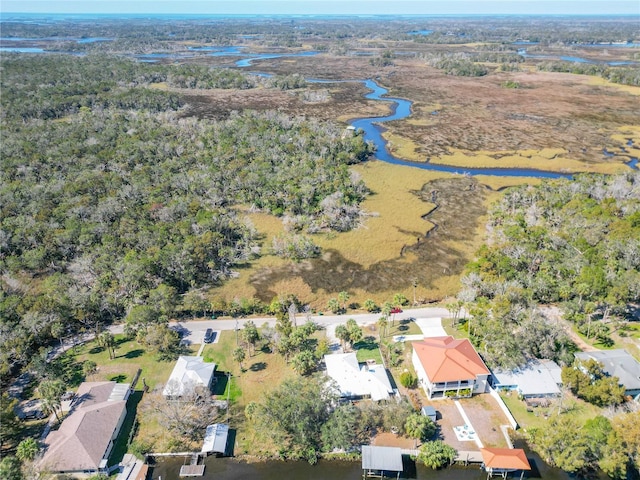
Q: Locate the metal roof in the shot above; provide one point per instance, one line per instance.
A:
(536, 378)
(617, 363)
(215, 439)
(388, 459)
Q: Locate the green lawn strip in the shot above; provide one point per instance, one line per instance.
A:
(122, 442)
(368, 349)
(402, 327)
(221, 353)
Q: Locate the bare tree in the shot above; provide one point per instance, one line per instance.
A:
(185, 416)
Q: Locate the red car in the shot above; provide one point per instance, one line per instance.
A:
(396, 310)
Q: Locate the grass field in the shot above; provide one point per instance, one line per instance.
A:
(368, 349)
(579, 409)
(263, 371)
(130, 356)
(554, 160)
(395, 245)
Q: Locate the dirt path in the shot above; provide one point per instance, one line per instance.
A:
(554, 315)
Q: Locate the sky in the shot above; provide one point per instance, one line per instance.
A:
(350, 7)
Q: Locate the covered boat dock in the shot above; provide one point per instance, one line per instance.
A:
(378, 460)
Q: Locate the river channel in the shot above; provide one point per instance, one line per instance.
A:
(232, 469)
(371, 127)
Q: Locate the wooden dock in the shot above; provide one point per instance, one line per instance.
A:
(468, 457)
(192, 470)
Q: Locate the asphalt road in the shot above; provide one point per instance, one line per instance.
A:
(193, 330)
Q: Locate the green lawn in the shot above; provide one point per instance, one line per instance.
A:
(121, 446)
(129, 357)
(579, 409)
(368, 349)
(402, 327)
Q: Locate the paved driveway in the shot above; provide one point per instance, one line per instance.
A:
(431, 327)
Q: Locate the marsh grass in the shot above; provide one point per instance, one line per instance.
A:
(395, 245)
(403, 147)
(554, 160)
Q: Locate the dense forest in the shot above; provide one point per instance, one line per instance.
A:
(111, 198)
(572, 242)
(149, 35)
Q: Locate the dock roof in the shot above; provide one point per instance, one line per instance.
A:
(215, 439)
(505, 459)
(388, 459)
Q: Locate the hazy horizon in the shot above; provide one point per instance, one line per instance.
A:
(324, 7)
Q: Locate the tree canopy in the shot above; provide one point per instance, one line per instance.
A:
(113, 199)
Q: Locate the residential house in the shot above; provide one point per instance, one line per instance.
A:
(84, 441)
(189, 374)
(617, 363)
(538, 378)
(354, 380)
(449, 367)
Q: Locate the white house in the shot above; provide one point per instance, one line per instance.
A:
(449, 367)
(86, 437)
(188, 374)
(356, 380)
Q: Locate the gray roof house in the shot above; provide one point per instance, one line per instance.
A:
(85, 438)
(538, 378)
(618, 363)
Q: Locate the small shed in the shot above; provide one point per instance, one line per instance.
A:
(429, 411)
(378, 460)
(215, 439)
(502, 461)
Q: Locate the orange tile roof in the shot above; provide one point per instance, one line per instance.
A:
(505, 458)
(446, 359)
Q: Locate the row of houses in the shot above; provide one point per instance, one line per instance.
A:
(445, 366)
(449, 367)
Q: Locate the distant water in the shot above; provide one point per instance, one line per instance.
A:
(401, 108)
(568, 58)
(22, 50)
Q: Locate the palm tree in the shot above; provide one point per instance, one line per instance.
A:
(382, 327)
(386, 309)
(343, 334)
(239, 356)
(107, 340)
(27, 449)
(343, 297)
(50, 392)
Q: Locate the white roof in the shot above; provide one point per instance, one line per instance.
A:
(189, 372)
(354, 380)
(215, 439)
(538, 377)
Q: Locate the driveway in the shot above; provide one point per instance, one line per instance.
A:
(431, 327)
